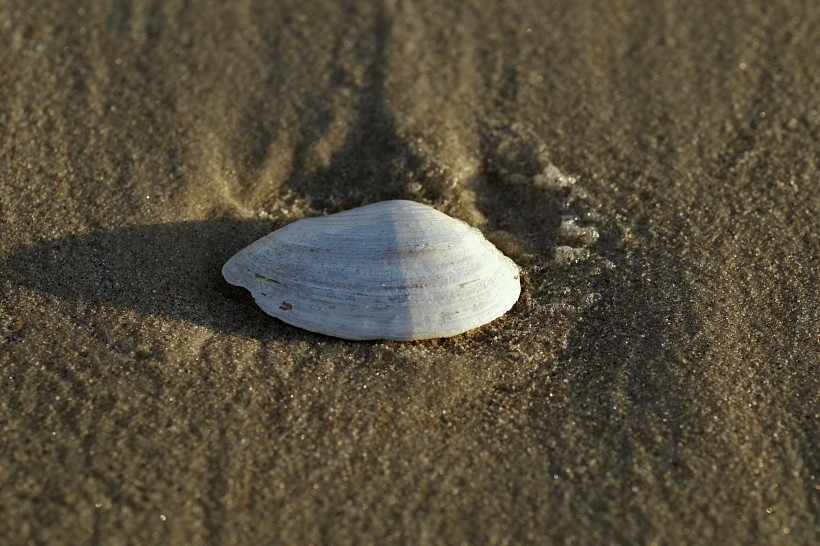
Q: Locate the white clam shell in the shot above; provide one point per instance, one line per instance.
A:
(391, 270)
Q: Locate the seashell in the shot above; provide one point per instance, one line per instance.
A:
(392, 270)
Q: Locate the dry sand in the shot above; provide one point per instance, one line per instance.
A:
(656, 384)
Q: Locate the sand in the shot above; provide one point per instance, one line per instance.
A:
(653, 167)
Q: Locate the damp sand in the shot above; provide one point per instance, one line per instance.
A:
(652, 167)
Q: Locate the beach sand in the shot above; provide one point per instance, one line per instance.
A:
(653, 167)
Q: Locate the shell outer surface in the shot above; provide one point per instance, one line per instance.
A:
(395, 270)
